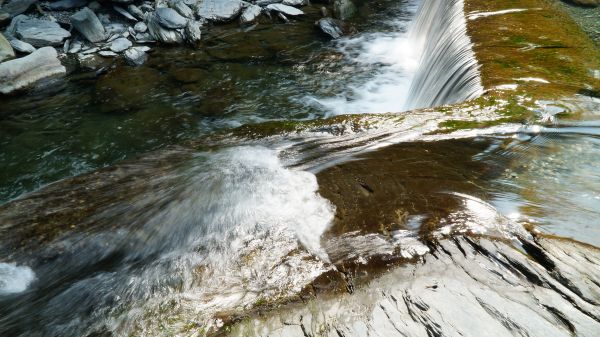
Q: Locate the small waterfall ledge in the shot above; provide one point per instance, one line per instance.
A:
(448, 70)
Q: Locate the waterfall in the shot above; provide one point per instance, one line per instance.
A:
(448, 71)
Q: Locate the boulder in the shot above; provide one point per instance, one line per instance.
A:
(120, 44)
(182, 8)
(220, 10)
(25, 71)
(169, 18)
(67, 4)
(160, 33)
(14, 8)
(250, 14)
(124, 13)
(87, 23)
(37, 32)
(136, 12)
(285, 9)
(193, 32)
(343, 9)
(136, 56)
(331, 27)
(22, 47)
(6, 49)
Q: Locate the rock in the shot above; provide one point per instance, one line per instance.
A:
(67, 4)
(589, 3)
(136, 12)
(294, 2)
(22, 47)
(136, 56)
(39, 33)
(250, 14)
(87, 23)
(324, 12)
(6, 49)
(343, 9)
(107, 53)
(182, 9)
(331, 27)
(124, 13)
(94, 5)
(285, 10)
(169, 18)
(15, 8)
(162, 34)
(193, 33)
(140, 27)
(75, 47)
(144, 38)
(26, 71)
(219, 10)
(120, 44)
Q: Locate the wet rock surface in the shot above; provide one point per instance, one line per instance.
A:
(26, 71)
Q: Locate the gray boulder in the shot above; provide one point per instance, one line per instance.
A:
(6, 50)
(169, 18)
(160, 33)
(136, 12)
(14, 8)
(39, 33)
(25, 71)
(331, 27)
(285, 9)
(22, 47)
(136, 56)
(120, 44)
(182, 8)
(343, 9)
(250, 14)
(193, 33)
(220, 10)
(124, 13)
(87, 23)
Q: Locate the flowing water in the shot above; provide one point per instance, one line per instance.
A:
(178, 239)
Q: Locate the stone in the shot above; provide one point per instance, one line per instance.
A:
(120, 44)
(160, 33)
(124, 13)
(140, 27)
(343, 9)
(294, 2)
(23, 72)
(250, 14)
(107, 53)
(285, 10)
(136, 12)
(331, 27)
(75, 47)
(181, 8)
(39, 33)
(193, 32)
(219, 10)
(15, 8)
(136, 56)
(87, 23)
(22, 47)
(169, 18)
(6, 49)
(67, 4)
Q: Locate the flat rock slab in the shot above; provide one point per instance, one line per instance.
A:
(87, 23)
(220, 10)
(22, 47)
(284, 9)
(25, 71)
(39, 33)
(120, 44)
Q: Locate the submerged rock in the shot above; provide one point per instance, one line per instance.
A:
(6, 49)
(343, 9)
(26, 71)
(219, 10)
(87, 23)
(39, 33)
(193, 32)
(331, 27)
(250, 14)
(135, 56)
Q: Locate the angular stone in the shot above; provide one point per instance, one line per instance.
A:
(220, 10)
(136, 12)
(6, 49)
(120, 44)
(193, 32)
(87, 23)
(250, 14)
(22, 47)
(124, 13)
(136, 56)
(39, 33)
(169, 18)
(161, 34)
(182, 8)
(284, 9)
(26, 71)
(331, 27)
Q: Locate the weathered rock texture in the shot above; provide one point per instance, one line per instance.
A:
(23, 72)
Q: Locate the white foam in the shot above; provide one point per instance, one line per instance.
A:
(14, 279)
